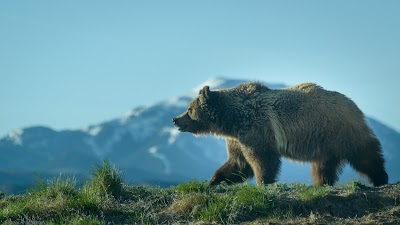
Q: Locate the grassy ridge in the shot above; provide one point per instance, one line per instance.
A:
(105, 199)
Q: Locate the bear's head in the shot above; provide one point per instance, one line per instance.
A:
(200, 116)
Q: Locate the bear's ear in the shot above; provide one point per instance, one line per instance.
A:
(206, 92)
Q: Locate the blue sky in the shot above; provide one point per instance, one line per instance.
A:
(69, 64)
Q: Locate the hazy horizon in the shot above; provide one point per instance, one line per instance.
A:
(67, 65)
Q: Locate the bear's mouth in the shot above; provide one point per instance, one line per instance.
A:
(182, 128)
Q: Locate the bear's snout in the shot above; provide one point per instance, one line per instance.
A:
(181, 122)
(176, 123)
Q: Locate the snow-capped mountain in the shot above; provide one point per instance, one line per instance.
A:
(145, 146)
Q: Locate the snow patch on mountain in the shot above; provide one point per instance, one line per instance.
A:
(155, 153)
(212, 82)
(16, 136)
(101, 149)
(178, 101)
(173, 134)
(93, 131)
(131, 114)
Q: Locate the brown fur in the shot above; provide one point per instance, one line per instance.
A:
(304, 123)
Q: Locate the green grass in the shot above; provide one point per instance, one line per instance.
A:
(51, 198)
(353, 186)
(306, 193)
(57, 186)
(192, 187)
(106, 182)
(104, 199)
(225, 203)
(58, 199)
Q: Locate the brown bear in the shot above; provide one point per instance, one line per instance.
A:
(304, 123)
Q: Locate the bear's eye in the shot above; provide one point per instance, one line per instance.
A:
(189, 110)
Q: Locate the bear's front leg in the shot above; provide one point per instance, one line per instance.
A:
(265, 164)
(236, 169)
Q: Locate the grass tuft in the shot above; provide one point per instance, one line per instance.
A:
(61, 185)
(353, 186)
(46, 198)
(192, 187)
(106, 183)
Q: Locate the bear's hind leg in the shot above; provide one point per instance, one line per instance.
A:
(231, 173)
(370, 163)
(236, 169)
(326, 172)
